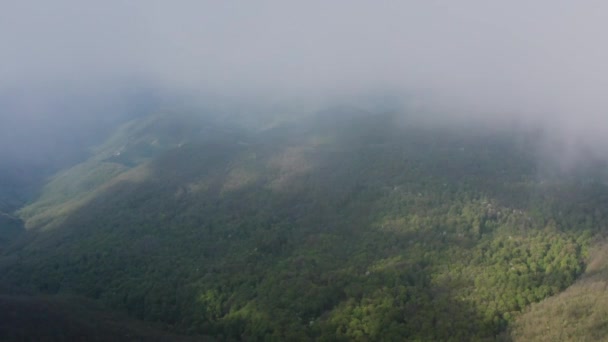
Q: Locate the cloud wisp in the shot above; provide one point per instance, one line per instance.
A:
(539, 63)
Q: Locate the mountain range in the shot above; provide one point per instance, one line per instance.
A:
(342, 225)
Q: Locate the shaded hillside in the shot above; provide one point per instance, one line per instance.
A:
(26, 318)
(341, 228)
(10, 228)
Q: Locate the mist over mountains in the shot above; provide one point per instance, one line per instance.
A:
(282, 171)
(538, 65)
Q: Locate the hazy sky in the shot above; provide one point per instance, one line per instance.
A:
(542, 62)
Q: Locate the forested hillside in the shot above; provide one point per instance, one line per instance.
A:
(360, 227)
(577, 314)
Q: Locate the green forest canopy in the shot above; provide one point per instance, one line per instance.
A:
(356, 229)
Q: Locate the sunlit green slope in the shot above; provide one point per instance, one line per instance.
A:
(580, 313)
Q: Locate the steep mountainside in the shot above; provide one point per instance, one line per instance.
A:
(360, 227)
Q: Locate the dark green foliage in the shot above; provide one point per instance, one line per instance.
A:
(353, 231)
(57, 318)
(10, 228)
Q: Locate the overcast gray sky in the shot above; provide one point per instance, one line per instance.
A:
(542, 62)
